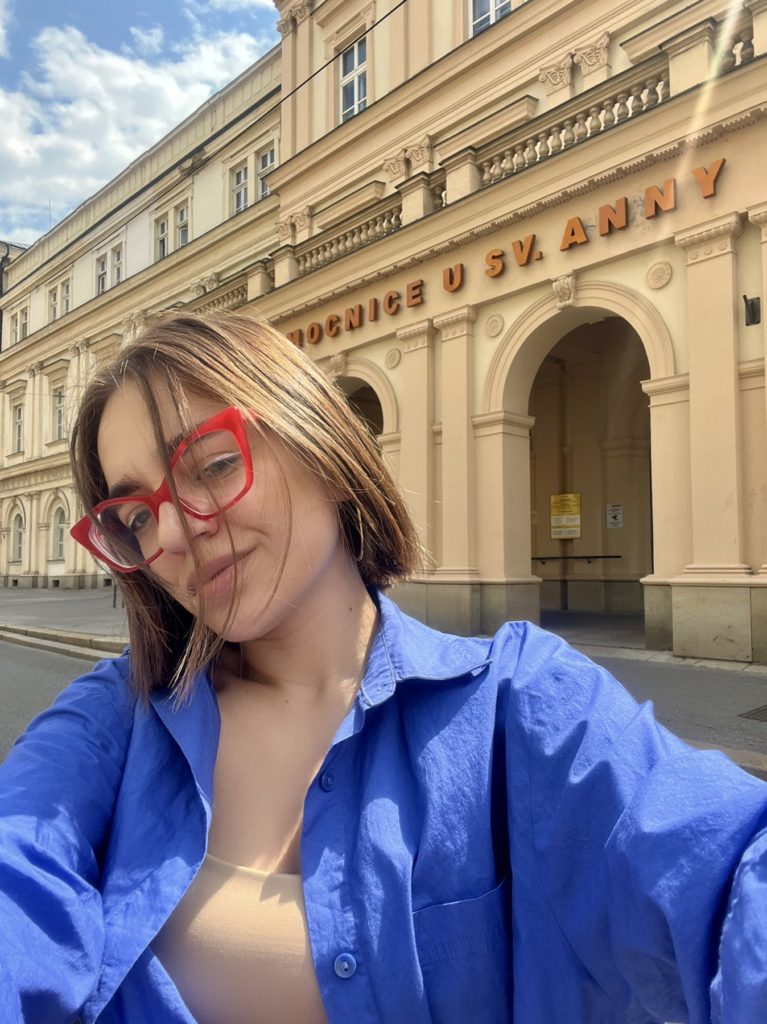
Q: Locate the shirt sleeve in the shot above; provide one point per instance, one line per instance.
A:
(57, 791)
(652, 855)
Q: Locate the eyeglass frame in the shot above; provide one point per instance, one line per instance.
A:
(231, 419)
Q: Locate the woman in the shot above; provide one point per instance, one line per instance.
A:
(289, 802)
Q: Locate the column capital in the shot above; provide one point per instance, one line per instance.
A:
(456, 323)
(716, 238)
(512, 423)
(758, 214)
(416, 336)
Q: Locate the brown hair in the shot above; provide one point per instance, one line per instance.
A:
(242, 361)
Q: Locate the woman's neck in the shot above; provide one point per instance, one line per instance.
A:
(319, 649)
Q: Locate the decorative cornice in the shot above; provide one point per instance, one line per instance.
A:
(557, 76)
(415, 336)
(714, 239)
(515, 424)
(678, 385)
(455, 324)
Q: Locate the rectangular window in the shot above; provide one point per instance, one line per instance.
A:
(53, 304)
(239, 188)
(17, 419)
(161, 237)
(101, 275)
(182, 225)
(484, 13)
(14, 328)
(117, 264)
(265, 164)
(354, 79)
(23, 323)
(58, 414)
(65, 297)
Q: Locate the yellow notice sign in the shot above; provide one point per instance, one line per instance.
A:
(565, 516)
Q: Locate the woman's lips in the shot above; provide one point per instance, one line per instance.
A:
(218, 577)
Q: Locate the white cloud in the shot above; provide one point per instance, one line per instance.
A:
(240, 5)
(87, 112)
(5, 19)
(148, 42)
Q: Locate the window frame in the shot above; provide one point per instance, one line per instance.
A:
(17, 427)
(263, 170)
(17, 539)
(358, 72)
(237, 189)
(58, 534)
(53, 303)
(58, 409)
(161, 236)
(116, 264)
(181, 224)
(66, 296)
(102, 273)
(493, 16)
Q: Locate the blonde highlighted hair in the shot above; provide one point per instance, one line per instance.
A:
(241, 361)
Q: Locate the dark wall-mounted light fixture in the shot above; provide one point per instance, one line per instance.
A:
(753, 311)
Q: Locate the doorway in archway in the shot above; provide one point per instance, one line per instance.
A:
(364, 401)
(591, 514)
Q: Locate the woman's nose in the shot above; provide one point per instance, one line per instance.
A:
(170, 529)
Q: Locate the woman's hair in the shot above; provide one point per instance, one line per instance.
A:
(240, 361)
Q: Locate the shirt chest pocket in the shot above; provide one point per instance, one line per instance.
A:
(464, 949)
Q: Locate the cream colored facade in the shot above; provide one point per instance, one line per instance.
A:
(524, 260)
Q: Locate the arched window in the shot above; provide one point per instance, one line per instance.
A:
(59, 526)
(17, 538)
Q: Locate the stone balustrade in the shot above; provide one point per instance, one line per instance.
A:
(624, 97)
(318, 252)
(737, 47)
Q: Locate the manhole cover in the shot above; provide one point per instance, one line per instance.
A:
(758, 714)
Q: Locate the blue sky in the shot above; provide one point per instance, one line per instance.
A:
(88, 85)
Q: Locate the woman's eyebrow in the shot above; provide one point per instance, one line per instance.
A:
(123, 488)
(174, 442)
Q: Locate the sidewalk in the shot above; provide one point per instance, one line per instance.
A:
(701, 701)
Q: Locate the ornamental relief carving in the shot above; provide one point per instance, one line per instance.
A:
(494, 325)
(659, 275)
(557, 76)
(592, 56)
(420, 155)
(564, 290)
(395, 166)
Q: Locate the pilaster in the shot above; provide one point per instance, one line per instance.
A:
(456, 333)
(714, 397)
(758, 216)
(416, 466)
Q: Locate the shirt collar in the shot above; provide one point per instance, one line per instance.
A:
(405, 649)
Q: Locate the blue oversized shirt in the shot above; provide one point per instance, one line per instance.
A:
(498, 833)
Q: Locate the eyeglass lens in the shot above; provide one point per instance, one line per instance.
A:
(209, 476)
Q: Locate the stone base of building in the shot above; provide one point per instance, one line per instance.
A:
(63, 581)
(720, 621)
(615, 597)
(471, 608)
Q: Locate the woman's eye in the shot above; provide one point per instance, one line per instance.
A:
(138, 521)
(221, 465)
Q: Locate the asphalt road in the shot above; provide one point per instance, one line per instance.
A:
(30, 680)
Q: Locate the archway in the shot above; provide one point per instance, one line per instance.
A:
(623, 434)
(591, 511)
(365, 402)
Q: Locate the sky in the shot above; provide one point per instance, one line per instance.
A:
(86, 86)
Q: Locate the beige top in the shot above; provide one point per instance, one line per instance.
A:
(237, 948)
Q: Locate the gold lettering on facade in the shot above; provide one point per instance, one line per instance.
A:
(707, 179)
(494, 263)
(297, 337)
(353, 317)
(372, 311)
(391, 303)
(314, 333)
(614, 217)
(523, 250)
(414, 294)
(452, 278)
(660, 200)
(333, 325)
(574, 234)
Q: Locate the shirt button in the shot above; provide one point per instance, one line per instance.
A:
(345, 965)
(327, 780)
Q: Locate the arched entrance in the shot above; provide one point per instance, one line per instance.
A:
(591, 509)
(573, 311)
(364, 401)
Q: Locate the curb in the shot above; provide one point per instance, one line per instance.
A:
(70, 644)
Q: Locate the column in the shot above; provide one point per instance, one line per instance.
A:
(287, 28)
(459, 595)
(711, 605)
(302, 99)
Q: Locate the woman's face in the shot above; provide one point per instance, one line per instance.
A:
(286, 515)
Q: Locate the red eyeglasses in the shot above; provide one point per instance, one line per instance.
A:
(211, 468)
